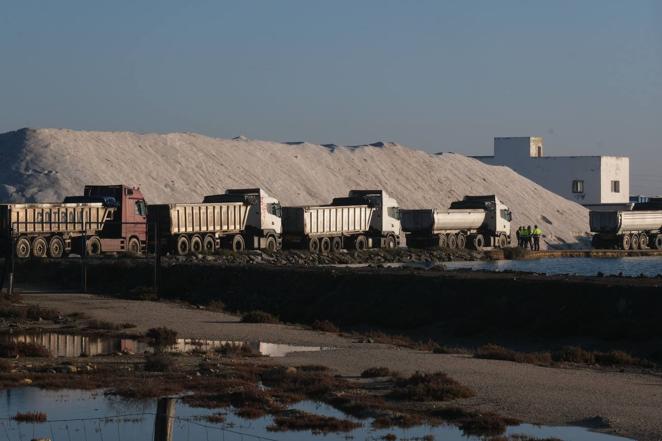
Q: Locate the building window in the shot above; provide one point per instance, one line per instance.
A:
(615, 186)
(577, 186)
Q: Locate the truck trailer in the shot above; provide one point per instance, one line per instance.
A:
(475, 221)
(364, 219)
(638, 228)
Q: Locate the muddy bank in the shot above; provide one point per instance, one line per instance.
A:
(463, 304)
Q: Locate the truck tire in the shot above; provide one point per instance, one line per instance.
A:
(56, 247)
(643, 241)
(479, 242)
(238, 243)
(452, 242)
(336, 244)
(634, 242)
(442, 241)
(502, 241)
(39, 247)
(93, 246)
(596, 242)
(390, 242)
(271, 244)
(658, 242)
(361, 243)
(133, 247)
(182, 247)
(22, 248)
(196, 244)
(325, 245)
(209, 244)
(625, 242)
(461, 241)
(314, 245)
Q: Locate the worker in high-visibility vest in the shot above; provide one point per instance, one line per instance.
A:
(536, 234)
(526, 236)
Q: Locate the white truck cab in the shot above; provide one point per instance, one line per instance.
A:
(385, 222)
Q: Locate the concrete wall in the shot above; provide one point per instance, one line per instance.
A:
(557, 173)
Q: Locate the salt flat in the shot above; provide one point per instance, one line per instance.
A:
(47, 164)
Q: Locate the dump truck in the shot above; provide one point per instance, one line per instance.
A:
(475, 221)
(364, 219)
(263, 228)
(637, 228)
(90, 223)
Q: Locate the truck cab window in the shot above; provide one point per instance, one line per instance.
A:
(141, 209)
(507, 215)
(275, 209)
(393, 212)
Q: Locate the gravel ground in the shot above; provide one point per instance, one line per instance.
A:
(631, 402)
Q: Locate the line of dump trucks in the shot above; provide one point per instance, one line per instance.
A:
(117, 219)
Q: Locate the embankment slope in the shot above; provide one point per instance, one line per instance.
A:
(47, 164)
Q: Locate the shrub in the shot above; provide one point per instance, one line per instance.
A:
(324, 326)
(35, 312)
(159, 363)
(496, 352)
(298, 420)
(235, 350)
(259, 317)
(102, 325)
(375, 372)
(397, 420)
(429, 387)
(22, 349)
(161, 338)
(30, 417)
(574, 354)
(616, 358)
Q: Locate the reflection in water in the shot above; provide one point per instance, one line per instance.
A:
(85, 415)
(71, 345)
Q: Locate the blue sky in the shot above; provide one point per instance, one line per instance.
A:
(440, 76)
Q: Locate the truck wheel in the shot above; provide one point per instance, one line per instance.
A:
(336, 244)
(643, 241)
(39, 247)
(461, 241)
(22, 248)
(479, 242)
(442, 241)
(325, 245)
(313, 245)
(183, 246)
(196, 244)
(658, 242)
(390, 242)
(361, 243)
(452, 242)
(133, 247)
(209, 244)
(625, 242)
(93, 246)
(634, 242)
(271, 244)
(238, 243)
(56, 247)
(502, 241)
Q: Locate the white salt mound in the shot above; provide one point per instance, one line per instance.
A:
(48, 164)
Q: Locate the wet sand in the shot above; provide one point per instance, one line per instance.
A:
(554, 396)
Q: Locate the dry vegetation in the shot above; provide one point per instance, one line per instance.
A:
(30, 417)
(259, 317)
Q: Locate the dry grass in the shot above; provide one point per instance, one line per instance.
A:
(310, 383)
(376, 372)
(358, 405)
(474, 423)
(403, 421)
(495, 352)
(159, 362)
(298, 420)
(30, 417)
(325, 326)
(235, 350)
(259, 317)
(429, 387)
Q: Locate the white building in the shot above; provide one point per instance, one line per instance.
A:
(588, 180)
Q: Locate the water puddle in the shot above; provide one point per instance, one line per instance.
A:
(84, 415)
(72, 345)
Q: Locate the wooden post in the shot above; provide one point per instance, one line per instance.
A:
(163, 422)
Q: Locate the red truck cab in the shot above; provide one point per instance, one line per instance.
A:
(126, 231)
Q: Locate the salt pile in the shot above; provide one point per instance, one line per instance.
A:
(47, 164)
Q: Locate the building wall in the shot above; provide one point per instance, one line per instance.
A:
(557, 173)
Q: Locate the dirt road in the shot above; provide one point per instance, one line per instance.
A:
(631, 402)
